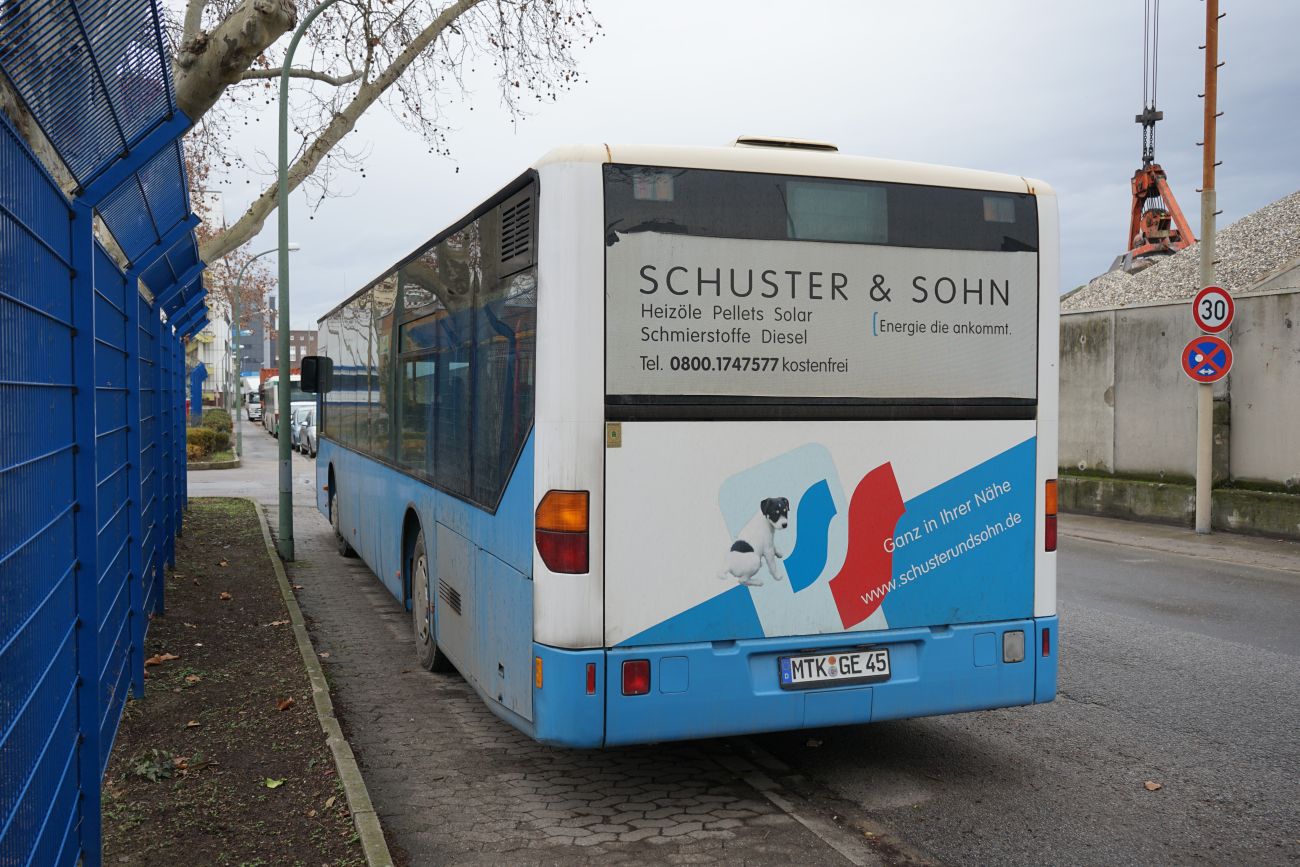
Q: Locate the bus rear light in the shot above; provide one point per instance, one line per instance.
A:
(636, 677)
(1049, 524)
(1047, 641)
(591, 678)
(565, 553)
(562, 520)
(563, 512)
(537, 671)
(1013, 646)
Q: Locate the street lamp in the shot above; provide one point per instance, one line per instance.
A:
(282, 206)
(239, 345)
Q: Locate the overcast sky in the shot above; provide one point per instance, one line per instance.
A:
(1045, 90)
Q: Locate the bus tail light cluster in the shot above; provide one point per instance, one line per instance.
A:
(562, 522)
(636, 676)
(1049, 525)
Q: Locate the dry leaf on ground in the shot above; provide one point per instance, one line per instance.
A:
(1153, 786)
(284, 703)
(225, 597)
(192, 678)
(160, 658)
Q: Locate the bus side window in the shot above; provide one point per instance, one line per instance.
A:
(451, 435)
(506, 326)
(415, 440)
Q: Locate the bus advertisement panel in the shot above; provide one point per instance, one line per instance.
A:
(723, 316)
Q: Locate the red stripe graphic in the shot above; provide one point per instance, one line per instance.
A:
(874, 511)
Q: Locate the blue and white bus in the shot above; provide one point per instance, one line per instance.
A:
(665, 443)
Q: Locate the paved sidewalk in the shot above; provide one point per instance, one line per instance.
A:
(1223, 547)
(455, 785)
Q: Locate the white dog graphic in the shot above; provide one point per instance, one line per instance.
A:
(756, 545)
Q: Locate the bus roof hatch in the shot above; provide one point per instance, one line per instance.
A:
(764, 141)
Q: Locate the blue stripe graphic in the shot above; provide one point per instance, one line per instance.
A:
(813, 518)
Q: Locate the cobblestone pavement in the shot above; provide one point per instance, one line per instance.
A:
(455, 785)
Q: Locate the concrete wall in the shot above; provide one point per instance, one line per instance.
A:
(1088, 391)
(1265, 389)
(1127, 407)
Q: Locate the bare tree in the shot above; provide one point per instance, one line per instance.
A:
(408, 55)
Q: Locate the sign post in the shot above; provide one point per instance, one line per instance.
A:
(1204, 397)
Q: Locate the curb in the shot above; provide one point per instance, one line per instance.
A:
(215, 465)
(364, 817)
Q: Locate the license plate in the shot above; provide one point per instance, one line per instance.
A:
(834, 669)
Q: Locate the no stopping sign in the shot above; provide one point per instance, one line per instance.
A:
(1207, 359)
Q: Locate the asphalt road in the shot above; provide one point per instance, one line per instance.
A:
(1176, 670)
(1180, 670)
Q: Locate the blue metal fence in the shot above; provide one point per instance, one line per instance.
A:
(92, 472)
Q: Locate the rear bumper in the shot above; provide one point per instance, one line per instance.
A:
(731, 687)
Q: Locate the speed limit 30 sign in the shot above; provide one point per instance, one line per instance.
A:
(1213, 309)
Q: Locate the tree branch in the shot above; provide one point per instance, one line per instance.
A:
(298, 72)
(208, 63)
(252, 220)
(193, 19)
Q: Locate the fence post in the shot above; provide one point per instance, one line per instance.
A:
(166, 411)
(86, 533)
(159, 514)
(135, 499)
(181, 421)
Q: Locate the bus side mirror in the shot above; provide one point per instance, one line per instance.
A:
(317, 374)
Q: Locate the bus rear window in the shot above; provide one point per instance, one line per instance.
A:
(764, 207)
(729, 287)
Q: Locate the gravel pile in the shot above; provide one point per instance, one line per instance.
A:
(1248, 250)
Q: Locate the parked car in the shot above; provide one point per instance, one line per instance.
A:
(296, 416)
(307, 434)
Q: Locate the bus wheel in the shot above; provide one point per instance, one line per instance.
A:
(344, 549)
(426, 647)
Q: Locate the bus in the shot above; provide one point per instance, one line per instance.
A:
(670, 443)
(271, 399)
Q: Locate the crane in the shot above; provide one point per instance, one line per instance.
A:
(1156, 225)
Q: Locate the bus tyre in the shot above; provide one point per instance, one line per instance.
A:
(426, 648)
(344, 549)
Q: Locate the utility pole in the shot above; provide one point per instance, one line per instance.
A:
(282, 343)
(1205, 392)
